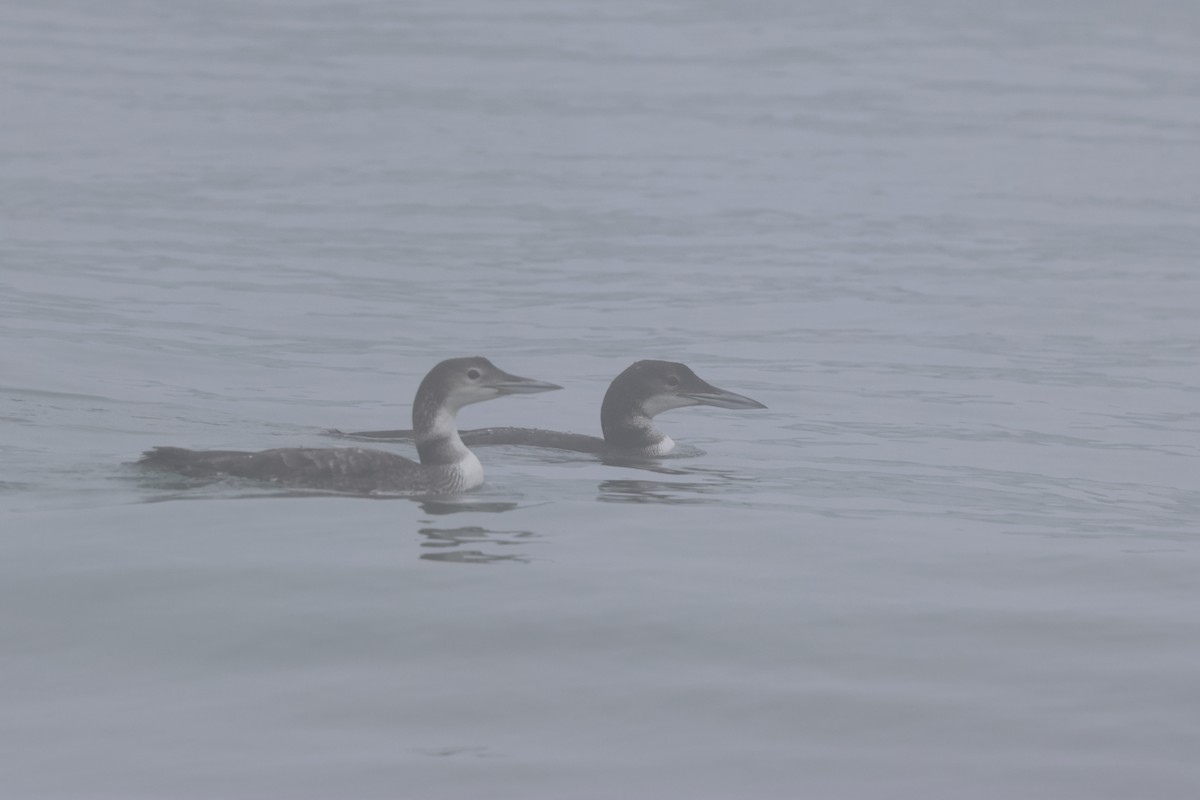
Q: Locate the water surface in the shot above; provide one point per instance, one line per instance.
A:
(951, 247)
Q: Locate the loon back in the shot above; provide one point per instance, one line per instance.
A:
(337, 469)
(484, 437)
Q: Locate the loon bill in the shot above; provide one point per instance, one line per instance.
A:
(446, 465)
(635, 397)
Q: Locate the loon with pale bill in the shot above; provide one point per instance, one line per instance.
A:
(446, 465)
(635, 397)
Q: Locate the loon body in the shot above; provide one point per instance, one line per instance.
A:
(446, 465)
(635, 397)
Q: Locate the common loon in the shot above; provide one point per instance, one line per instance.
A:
(635, 397)
(446, 466)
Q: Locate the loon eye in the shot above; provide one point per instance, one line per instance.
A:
(473, 374)
(672, 381)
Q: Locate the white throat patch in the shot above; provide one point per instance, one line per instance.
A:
(660, 448)
(471, 470)
(445, 424)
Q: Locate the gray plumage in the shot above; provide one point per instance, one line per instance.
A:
(335, 469)
(446, 465)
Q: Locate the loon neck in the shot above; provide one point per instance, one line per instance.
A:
(634, 432)
(435, 427)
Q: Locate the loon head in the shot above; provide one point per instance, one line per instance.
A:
(648, 388)
(459, 382)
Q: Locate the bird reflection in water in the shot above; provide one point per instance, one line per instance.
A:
(656, 492)
(458, 506)
(715, 488)
(446, 542)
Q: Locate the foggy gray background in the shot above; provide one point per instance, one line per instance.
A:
(952, 246)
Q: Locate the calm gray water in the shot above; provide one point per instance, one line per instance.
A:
(953, 247)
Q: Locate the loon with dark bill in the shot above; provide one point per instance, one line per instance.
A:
(446, 465)
(635, 397)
